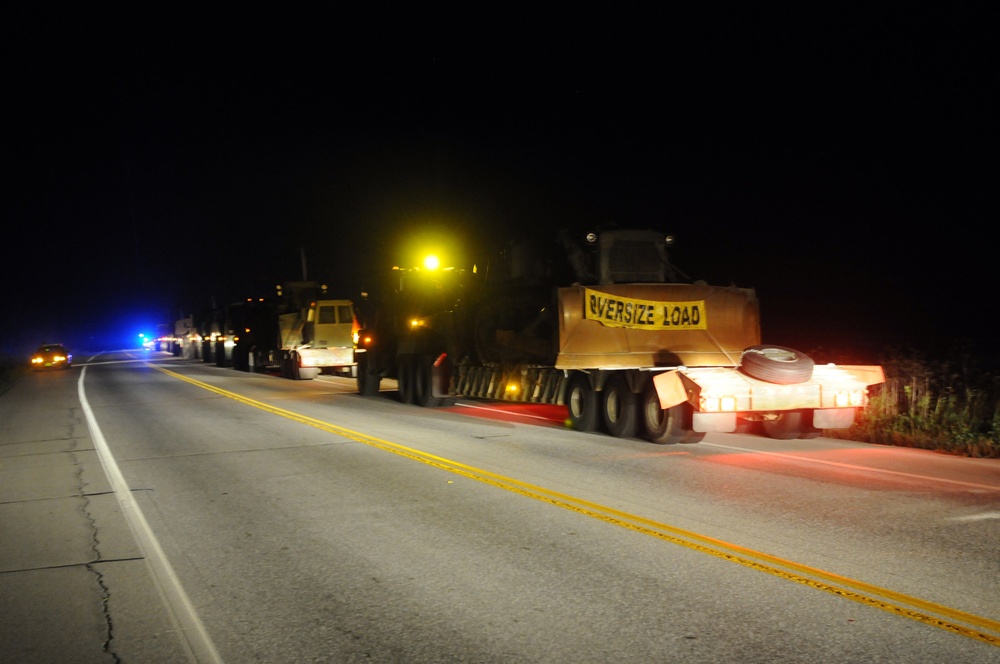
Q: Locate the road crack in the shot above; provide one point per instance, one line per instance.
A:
(95, 546)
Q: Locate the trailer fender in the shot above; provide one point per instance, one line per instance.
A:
(670, 389)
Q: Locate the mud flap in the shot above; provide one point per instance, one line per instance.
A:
(709, 422)
(833, 418)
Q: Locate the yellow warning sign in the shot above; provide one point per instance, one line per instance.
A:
(617, 311)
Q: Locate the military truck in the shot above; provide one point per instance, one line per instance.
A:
(299, 331)
(610, 328)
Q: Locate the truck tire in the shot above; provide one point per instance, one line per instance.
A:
(423, 381)
(581, 401)
(666, 427)
(241, 359)
(405, 378)
(787, 426)
(369, 380)
(293, 366)
(621, 410)
(776, 364)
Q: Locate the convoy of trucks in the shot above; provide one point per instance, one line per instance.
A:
(604, 324)
(299, 332)
(613, 331)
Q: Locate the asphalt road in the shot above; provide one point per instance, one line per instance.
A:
(161, 510)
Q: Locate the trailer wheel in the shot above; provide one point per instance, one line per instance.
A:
(776, 364)
(807, 430)
(787, 426)
(581, 401)
(405, 378)
(669, 426)
(621, 411)
(369, 380)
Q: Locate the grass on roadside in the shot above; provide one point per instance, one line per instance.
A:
(948, 405)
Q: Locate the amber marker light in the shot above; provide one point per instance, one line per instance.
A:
(710, 404)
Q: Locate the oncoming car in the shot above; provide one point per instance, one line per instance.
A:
(51, 356)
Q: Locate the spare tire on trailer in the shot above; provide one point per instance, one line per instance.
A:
(776, 364)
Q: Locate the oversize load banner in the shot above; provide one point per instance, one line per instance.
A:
(617, 311)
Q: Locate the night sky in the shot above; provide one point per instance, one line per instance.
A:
(840, 161)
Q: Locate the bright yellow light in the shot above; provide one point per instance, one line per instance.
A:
(432, 262)
(512, 388)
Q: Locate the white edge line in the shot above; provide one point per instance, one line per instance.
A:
(851, 466)
(192, 631)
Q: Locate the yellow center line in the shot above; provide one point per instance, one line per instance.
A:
(923, 611)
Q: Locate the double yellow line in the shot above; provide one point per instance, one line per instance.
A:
(928, 613)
